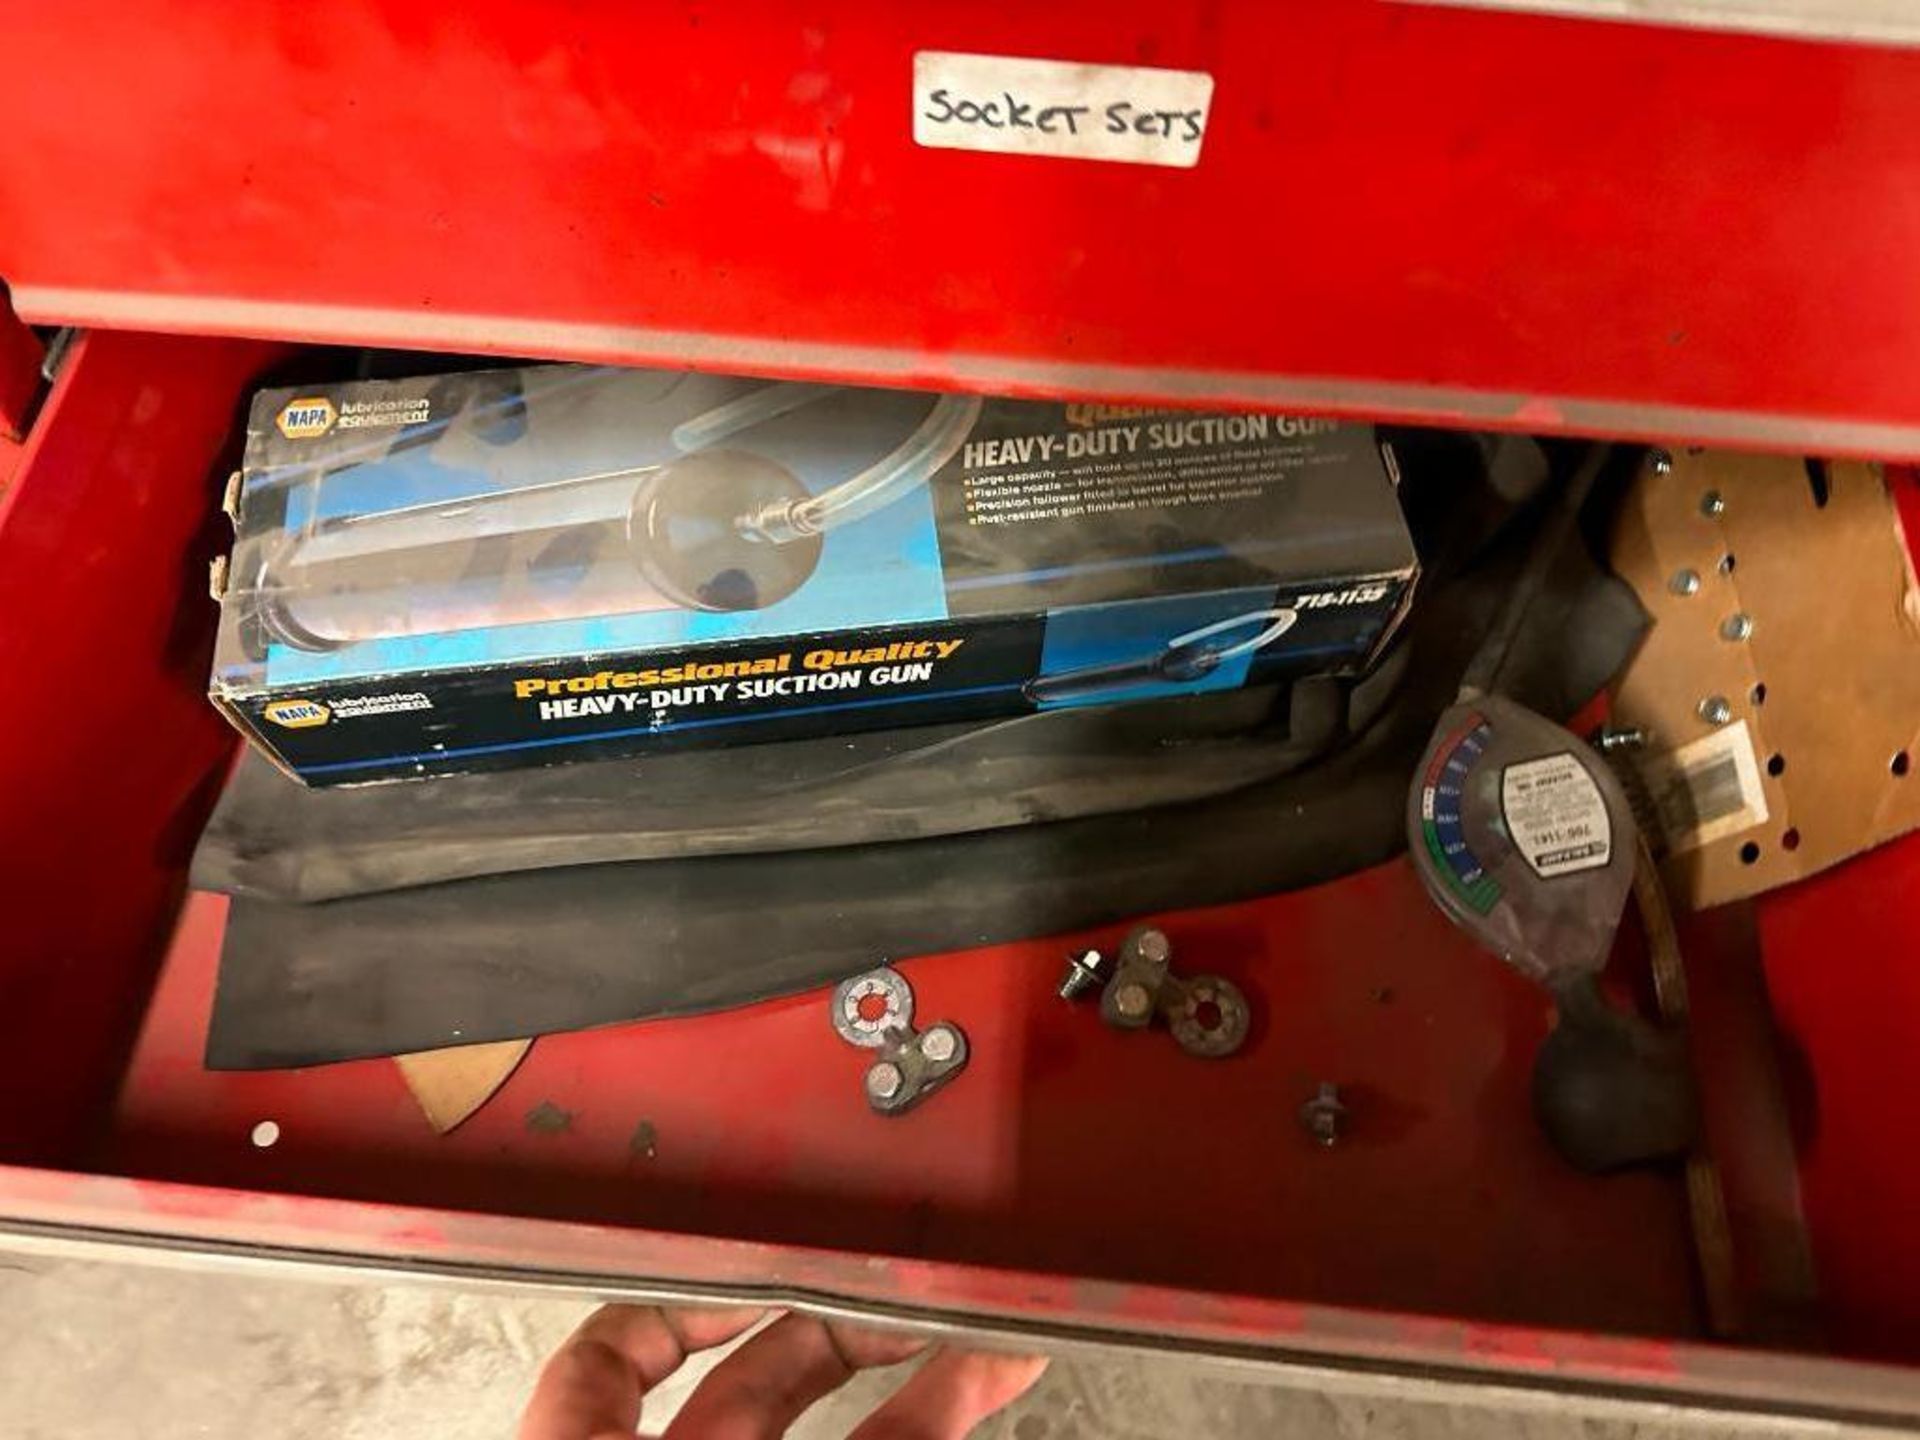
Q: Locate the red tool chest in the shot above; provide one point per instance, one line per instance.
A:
(1487, 219)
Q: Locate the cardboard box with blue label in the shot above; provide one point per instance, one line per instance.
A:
(522, 567)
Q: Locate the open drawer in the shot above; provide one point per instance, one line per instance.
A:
(1074, 1187)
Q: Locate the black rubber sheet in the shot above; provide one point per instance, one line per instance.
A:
(272, 838)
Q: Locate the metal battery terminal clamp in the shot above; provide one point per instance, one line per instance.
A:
(1182, 660)
(874, 1011)
(1207, 1015)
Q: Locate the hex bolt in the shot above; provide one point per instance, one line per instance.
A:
(1660, 462)
(1132, 1001)
(1324, 1115)
(1085, 971)
(884, 1080)
(1685, 582)
(1715, 710)
(1153, 945)
(1610, 738)
(938, 1044)
(1712, 503)
(1737, 626)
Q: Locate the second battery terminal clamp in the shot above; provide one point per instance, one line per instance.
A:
(1207, 1015)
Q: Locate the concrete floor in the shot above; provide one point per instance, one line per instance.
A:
(99, 1351)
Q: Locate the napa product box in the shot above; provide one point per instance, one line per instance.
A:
(522, 567)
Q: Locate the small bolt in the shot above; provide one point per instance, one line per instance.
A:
(1153, 945)
(1714, 710)
(1737, 626)
(1609, 738)
(265, 1135)
(1132, 1001)
(884, 1080)
(1324, 1115)
(938, 1044)
(1712, 503)
(1685, 582)
(1660, 462)
(1085, 971)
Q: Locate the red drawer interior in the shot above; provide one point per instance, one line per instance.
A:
(1097, 1160)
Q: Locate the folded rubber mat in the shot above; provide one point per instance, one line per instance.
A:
(273, 838)
(516, 954)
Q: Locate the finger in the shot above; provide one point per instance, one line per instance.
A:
(950, 1394)
(592, 1385)
(865, 1348)
(760, 1389)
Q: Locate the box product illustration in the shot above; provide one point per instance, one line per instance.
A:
(519, 567)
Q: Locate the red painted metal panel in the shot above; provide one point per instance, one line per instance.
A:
(1524, 220)
(1066, 1147)
(107, 742)
(1843, 970)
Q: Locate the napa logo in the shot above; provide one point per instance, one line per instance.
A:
(304, 419)
(297, 714)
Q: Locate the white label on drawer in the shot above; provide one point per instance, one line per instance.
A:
(1053, 107)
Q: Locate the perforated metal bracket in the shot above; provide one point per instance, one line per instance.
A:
(874, 1011)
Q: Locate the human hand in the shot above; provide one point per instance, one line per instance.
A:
(592, 1387)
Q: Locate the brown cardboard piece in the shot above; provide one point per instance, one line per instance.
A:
(1827, 683)
(452, 1084)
